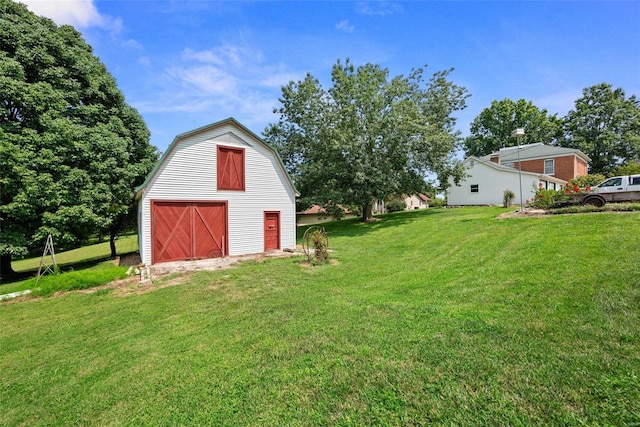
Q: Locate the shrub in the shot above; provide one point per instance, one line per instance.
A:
(320, 246)
(587, 180)
(336, 212)
(395, 205)
(545, 198)
(437, 203)
(507, 198)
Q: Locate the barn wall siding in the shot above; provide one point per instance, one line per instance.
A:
(188, 172)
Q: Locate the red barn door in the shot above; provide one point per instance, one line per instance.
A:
(188, 230)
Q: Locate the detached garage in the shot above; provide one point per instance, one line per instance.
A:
(218, 190)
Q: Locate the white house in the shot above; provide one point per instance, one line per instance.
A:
(416, 201)
(487, 181)
(218, 190)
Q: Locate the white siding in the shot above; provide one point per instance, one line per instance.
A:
(414, 202)
(188, 172)
(491, 185)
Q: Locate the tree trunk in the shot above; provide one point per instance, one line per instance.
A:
(5, 266)
(367, 212)
(112, 242)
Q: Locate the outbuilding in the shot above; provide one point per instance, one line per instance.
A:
(216, 191)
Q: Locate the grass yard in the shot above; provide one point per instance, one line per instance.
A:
(82, 269)
(435, 317)
(124, 245)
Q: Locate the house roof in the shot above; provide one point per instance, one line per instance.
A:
(485, 161)
(535, 151)
(418, 195)
(140, 189)
(315, 209)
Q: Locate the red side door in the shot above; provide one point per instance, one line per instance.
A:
(271, 230)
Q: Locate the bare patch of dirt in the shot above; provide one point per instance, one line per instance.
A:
(162, 274)
(308, 264)
(527, 213)
(132, 286)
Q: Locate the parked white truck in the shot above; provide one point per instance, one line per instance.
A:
(613, 190)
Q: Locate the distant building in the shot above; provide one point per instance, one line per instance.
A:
(489, 176)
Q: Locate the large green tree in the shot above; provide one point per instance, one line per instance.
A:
(368, 136)
(492, 128)
(605, 125)
(71, 149)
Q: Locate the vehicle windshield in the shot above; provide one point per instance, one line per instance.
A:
(611, 182)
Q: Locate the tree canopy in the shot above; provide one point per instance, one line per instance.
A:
(71, 149)
(492, 128)
(368, 136)
(605, 125)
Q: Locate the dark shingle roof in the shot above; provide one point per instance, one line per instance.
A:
(535, 151)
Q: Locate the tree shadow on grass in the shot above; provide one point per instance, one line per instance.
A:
(355, 227)
(62, 267)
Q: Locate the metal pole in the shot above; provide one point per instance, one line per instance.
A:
(518, 133)
(520, 178)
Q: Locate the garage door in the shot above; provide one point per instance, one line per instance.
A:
(188, 230)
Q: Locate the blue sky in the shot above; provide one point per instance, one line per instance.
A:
(184, 64)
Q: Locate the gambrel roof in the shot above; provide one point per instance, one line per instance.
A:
(183, 136)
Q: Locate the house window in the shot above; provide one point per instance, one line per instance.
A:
(508, 164)
(549, 167)
(474, 188)
(230, 168)
(472, 163)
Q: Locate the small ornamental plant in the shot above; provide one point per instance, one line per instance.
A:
(507, 198)
(320, 246)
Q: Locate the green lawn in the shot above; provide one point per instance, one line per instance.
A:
(438, 317)
(82, 269)
(124, 245)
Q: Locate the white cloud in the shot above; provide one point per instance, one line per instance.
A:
(144, 61)
(132, 44)
(225, 80)
(220, 55)
(206, 80)
(178, 106)
(345, 26)
(78, 13)
(378, 7)
(278, 80)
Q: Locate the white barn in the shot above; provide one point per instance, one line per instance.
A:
(218, 190)
(487, 181)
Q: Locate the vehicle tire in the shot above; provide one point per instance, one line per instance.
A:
(594, 201)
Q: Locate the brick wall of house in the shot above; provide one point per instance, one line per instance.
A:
(536, 166)
(566, 168)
